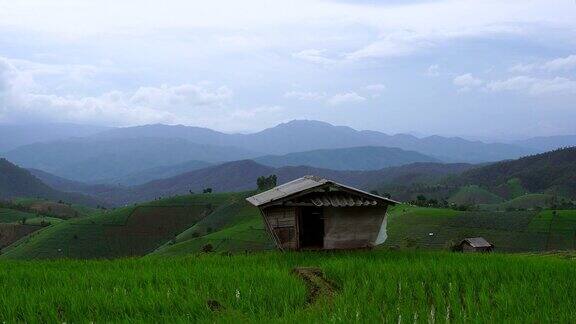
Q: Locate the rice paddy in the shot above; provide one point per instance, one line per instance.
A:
(370, 286)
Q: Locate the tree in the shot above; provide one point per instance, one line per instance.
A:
(265, 183)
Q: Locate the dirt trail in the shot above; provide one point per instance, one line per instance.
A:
(318, 286)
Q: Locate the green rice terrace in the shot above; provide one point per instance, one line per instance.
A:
(225, 222)
(207, 258)
(365, 286)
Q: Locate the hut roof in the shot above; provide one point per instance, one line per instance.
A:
(477, 242)
(311, 183)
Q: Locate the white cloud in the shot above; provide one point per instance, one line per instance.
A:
(22, 100)
(562, 63)
(335, 99)
(522, 68)
(345, 98)
(433, 70)
(534, 86)
(314, 56)
(554, 65)
(390, 45)
(466, 82)
(305, 95)
(378, 87)
(185, 95)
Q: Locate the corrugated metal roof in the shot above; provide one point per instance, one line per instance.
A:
(300, 185)
(339, 200)
(477, 242)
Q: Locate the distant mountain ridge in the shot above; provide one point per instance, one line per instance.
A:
(242, 175)
(13, 136)
(548, 143)
(308, 135)
(355, 158)
(96, 160)
(17, 182)
(135, 155)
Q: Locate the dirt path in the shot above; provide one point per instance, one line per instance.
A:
(318, 286)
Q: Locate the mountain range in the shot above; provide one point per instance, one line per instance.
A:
(17, 182)
(242, 175)
(307, 135)
(132, 156)
(98, 160)
(353, 158)
(13, 136)
(551, 173)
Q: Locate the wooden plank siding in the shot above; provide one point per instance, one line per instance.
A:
(283, 222)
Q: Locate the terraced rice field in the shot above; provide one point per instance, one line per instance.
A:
(364, 287)
(517, 231)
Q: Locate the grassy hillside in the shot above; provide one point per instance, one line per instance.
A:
(128, 231)
(474, 195)
(55, 209)
(17, 224)
(528, 201)
(516, 231)
(233, 228)
(360, 286)
(10, 215)
(537, 173)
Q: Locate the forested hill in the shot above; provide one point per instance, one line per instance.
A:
(19, 182)
(553, 171)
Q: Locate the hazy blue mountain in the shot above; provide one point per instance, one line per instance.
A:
(306, 135)
(242, 175)
(353, 158)
(193, 134)
(12, 136)
(548, 143)
(95, 160)
(19, 182)
(66, 185)
(160, 172)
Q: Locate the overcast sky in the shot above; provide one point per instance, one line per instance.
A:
(479, 68)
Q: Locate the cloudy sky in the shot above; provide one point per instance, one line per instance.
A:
(486, 68)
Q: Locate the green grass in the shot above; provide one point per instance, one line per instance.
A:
(248, 234)
(371, 287)
(55, 209)
(516, 231)
(513, 188)
(129, 231)
(474, 195)
(12, 215)
(528, 201)
(42, 220)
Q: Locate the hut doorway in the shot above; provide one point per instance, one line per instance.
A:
(311, 228)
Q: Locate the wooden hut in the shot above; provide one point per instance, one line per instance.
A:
(474, 244)
(315, 213)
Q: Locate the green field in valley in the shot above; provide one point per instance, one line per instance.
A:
(509, 231)
(225, 222)
(369, 286)
(11, 215)
(132, 231)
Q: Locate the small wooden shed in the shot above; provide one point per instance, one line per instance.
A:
(474, 244)
(315, 213)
